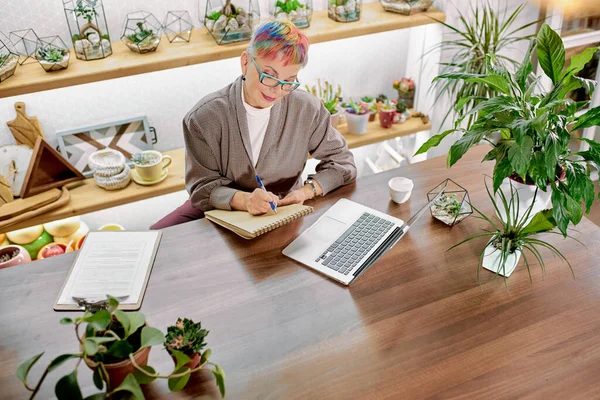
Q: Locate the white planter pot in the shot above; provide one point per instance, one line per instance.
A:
(492, 261)
(543, 199)
(335, 119)
(357, 124)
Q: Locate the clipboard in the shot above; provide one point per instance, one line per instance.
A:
(111, 259)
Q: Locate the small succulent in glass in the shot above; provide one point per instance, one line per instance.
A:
(344, 10)
(299, 12)
(52, 54)
(144, 159)
(141, 32)
(453, 206)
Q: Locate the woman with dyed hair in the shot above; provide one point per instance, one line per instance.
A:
(261, 125)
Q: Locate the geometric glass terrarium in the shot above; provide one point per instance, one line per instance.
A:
(178, 26)
(141, 32)
(299, 12)
(232, 21)
(8, 59)
(453, 205)
(344, 10)
(52, 53)
(406, 7)
(88, 28)
(24, 42)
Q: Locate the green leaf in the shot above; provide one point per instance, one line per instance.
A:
(99, 321)
(136, 320)
(462, 145)
(525, 68)
(180, 358)
(91, 344)
(123, 318)
(142, 378)
(66, 321)
(520, 156)
(67, 388)
(220, 375)
(60, 360)
(502, 170)
(559, 211)
(23, 369)
(120, 349)
(495, 82)
(151, 337)
(132, 386)
(97, 378)
(574, 209)
(580, 60)
(176, 384)
(205, 356)
(550, 52)
(433, 141)
(588, 194)
(589, 119)
(113, 303)
(541, 222)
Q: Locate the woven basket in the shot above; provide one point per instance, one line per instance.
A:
(107, 162)
(114, 182)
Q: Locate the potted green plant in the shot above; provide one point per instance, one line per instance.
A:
(508, 238)
(487, 32)
(387, 113)
(88, 28)
(328, 97)
(406, 91)
(402, 110)
(115, 345)
(530, 131)
(370, 101)
(187, 337)
(357, 117)
(141, 32)
(299, 12)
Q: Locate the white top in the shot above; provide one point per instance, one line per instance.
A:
(258, 120)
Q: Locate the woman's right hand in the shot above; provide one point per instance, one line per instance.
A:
(256, 203)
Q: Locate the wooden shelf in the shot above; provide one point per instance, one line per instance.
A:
(88, 197)
(202, 48)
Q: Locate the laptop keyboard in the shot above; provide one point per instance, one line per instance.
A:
(345, 253)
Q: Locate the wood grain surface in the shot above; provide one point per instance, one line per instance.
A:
(24, 128)
(416, 325)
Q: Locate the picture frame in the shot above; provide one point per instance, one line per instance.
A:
(128, 136)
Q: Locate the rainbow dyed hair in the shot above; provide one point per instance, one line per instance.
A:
(274, 38)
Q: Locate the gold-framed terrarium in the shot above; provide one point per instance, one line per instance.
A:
(88, 29)
(178, 26)
(52, 53)
(232, 21)
(141, 32)
(299, 12)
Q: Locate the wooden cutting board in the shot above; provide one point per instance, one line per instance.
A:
(6, 195)
(17, 207)
(24, 128)
(64, 198)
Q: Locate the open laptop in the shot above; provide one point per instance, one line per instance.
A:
(348, 239)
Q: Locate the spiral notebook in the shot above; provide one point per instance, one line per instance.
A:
(250, 226)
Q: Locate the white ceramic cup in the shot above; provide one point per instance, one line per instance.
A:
(400, 189)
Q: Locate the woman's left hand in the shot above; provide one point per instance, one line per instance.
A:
(297, 196)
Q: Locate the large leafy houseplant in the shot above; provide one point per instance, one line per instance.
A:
(534, 128)
(509, 237)
(488, 32)
(113, 336)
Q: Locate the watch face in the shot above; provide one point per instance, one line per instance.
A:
(14, 161)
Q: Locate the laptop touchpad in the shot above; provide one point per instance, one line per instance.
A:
(327, 229)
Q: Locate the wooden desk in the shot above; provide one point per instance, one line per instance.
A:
(416, 325)
(89, 197)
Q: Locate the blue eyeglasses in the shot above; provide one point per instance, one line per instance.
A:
(271, 81)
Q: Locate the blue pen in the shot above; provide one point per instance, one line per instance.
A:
(260, 185)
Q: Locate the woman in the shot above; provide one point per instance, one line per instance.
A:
(260, 125)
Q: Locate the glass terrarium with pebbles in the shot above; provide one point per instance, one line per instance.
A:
(344, 10)
(8, 59)
(88, 28)
(141, 32)
(299, 12)
(178, 26)
(453, 205)
(52, 53)
(406, 7)
(232, 21)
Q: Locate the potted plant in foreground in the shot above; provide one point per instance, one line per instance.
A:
(510, 237)
(187, 337)
(115, 345)
(530, 131)
(357, 117)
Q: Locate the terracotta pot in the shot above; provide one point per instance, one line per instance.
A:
(372, 116)
(22, 258)
(192, 364)
(117, 372)
(386, 118)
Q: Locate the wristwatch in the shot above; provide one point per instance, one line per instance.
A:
(311, 182)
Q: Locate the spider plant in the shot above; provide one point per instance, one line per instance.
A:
(515, 234)
(489, 32)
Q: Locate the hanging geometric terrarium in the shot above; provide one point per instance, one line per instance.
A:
(9, 60)
(230, 22)
(24, 42)
(178, 26)
(88, 28)
(141, 32)
(52, 53)
(299, 12)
